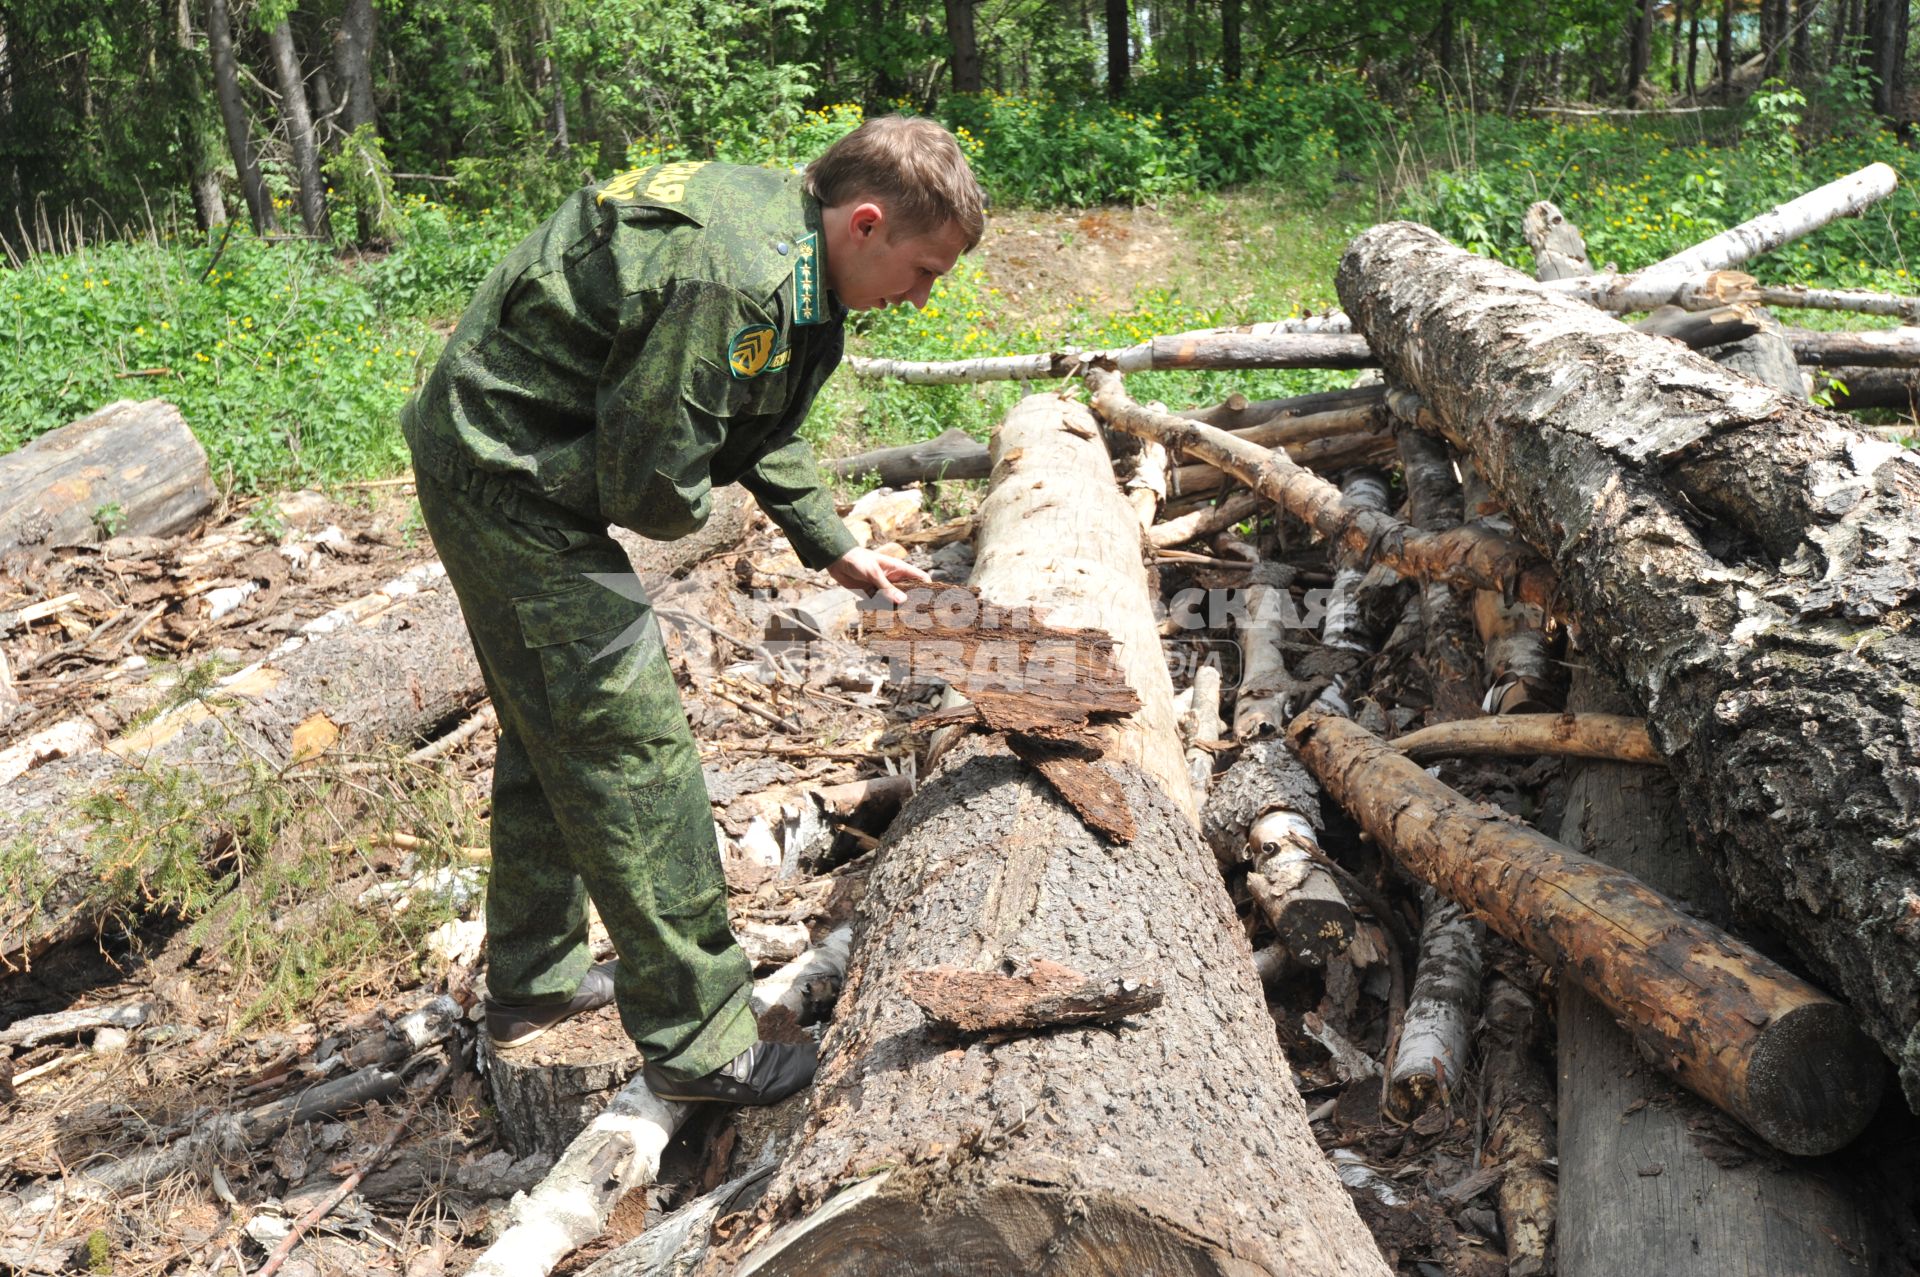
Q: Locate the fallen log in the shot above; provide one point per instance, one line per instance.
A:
(1467, 556)
(128, 469)
(1203, 522)
(1612, 737)
(1772, 654)
(1325, 456)
(1646, 1185)
(1021, 1153)
(1734, 1027)
(1521, 1138)
(1874, 348)
(394, 667)
(1308, 338)
(951, 454)
(620, 1149)
(1619, 293)
(1842, 197)
(1853, 388)
(1434, 503)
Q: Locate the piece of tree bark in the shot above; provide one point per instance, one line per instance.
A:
(1651, 1179)
(923, 1157)
(1603, 736)
(675, 1246)
(952, 454)
(1733, 1026)
(620, 1149)
(233, 114)
(1029, 996)
(1771, 647)
(128, 469)
(1347, 625)
(1465, 555)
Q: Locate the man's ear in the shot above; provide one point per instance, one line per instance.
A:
(865, 220)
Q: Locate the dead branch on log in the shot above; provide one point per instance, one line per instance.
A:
(1602, 736)
(1466, 556)
(1733, 1026)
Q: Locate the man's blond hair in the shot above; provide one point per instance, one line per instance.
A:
(908, 165)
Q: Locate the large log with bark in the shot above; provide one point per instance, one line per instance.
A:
(1746, 564)
(1171, 1141)
(1733, 1026)
(128, 469)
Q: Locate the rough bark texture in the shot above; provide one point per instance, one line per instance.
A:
(1170, 1143)
(1734, 1027)
(306, 152)
(550, 1090)
(1746, 564)
(1651, 1179)
(233, 115)
(134, 464)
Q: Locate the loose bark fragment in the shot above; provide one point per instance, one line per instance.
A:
(1467, 556)
(1031, 995)
(1733, 1026)
(1746, 564)
(1604, 736)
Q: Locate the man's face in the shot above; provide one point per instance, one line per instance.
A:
(877, 267)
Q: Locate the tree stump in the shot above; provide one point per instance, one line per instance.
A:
(547, 1091)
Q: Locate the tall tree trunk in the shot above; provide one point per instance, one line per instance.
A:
(548, 80)
(1191, 28)
(1771, 653)
(1886, 49)
(1119, 58)
(233, 113)
(208, 206)
(293, 107)
(1639, 52)
(1723, 51)
(353, 61)
(966, 49)
(1803, 40)
(1673, 49)
(1443, 39)
(1230, 40)
(1693, 50)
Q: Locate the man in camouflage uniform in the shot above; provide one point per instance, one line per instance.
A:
(661, 334)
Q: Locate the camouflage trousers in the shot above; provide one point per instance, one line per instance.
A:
(597, 791)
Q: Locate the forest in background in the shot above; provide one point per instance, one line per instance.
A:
(268, 212)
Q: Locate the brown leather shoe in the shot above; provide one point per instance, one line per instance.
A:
(514, 1024)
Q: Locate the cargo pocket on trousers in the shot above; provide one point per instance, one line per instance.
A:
(605, 669)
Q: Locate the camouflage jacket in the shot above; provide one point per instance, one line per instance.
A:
(662, 333)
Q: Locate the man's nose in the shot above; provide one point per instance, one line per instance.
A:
(918, 295)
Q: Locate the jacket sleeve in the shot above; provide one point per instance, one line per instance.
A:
(789, 488)
(666, 401)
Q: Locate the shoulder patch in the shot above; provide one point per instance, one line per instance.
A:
(750, 350)
(807, 308)
(664, 185)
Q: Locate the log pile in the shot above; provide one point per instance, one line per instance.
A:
(1257, 968)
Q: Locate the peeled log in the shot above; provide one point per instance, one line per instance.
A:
(1606, 736)
(1735, 1028)
(1172, 1142)
(1772, 656)
(134, 466)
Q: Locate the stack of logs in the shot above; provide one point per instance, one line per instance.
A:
(1719, 557)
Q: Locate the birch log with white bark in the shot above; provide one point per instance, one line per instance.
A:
(1747, 565)
(1842, 197)
(1172, 1141)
